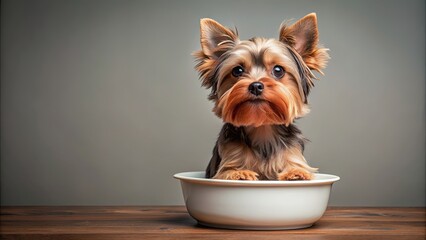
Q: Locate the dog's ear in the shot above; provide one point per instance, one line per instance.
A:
(215, 38)
(303, 37)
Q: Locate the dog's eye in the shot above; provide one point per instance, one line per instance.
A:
(237, 71)
(278, 72)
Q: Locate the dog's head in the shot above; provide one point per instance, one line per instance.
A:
(260, 81)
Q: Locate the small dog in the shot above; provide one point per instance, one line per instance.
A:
(259, 87)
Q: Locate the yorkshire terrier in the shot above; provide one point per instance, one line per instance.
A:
(259, 87)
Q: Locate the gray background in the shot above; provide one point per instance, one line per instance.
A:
(100, 103)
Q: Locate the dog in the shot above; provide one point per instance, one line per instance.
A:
(259, 87)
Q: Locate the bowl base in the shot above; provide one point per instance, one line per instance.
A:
(265, 228)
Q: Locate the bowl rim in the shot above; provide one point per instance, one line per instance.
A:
(327, 179)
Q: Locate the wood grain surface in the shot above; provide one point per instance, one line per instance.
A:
(173, 222)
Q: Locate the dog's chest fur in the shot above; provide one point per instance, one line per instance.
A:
(264, 141)
(261, 149)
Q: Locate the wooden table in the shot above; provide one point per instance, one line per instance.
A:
(173, 222)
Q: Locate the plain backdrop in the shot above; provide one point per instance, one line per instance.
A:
(100, 104)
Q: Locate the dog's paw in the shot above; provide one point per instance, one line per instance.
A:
(295, 174)
(239, 175)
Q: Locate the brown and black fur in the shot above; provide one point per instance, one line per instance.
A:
(285, 138)
(259, 139)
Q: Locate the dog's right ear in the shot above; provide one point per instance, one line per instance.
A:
(215, 38)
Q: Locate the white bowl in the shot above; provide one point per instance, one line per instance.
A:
(256, 205)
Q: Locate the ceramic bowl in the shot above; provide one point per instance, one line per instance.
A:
(256, 205)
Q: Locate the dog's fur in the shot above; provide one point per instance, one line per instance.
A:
(259, 139)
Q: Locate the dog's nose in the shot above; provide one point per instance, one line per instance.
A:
(256, 88)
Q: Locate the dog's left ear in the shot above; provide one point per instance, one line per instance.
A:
(303, 37)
